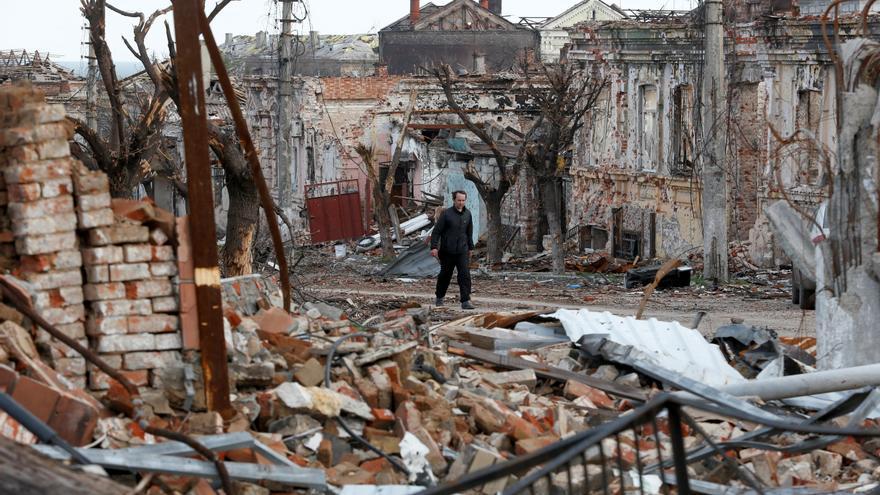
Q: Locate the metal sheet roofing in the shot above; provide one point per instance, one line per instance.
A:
(668, 344)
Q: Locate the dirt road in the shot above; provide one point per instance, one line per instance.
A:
(765, 304)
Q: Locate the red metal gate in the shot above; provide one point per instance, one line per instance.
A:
(334, 210)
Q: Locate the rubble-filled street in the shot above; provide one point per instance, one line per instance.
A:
(358, 285)
(459, 247)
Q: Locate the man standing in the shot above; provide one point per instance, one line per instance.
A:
(451, 243)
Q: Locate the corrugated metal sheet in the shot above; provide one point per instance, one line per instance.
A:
(668, 344)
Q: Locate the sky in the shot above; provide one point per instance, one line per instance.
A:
(55, 26)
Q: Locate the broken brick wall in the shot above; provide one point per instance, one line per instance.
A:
(641, 145)
(103, 272)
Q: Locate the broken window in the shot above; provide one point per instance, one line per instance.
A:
(310, 164)
(648, 127)
(682, 156)
(808, 115)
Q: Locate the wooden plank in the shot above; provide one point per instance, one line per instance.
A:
(547, 371)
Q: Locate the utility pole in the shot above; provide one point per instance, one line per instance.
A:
(714, 102)
(188, 65)
(283, 147)
(91, 89)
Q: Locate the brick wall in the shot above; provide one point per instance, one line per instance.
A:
(102, 271)
(358, 88)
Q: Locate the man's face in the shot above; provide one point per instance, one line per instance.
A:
(459, 201)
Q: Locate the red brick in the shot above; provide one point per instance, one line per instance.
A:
(165, 305)
(575, 389)
(17, 136)
(104, 292)
(63, 260)
(129, 271)
(57, 298)
(152, 324)
(95, 218)
(102, 255)
(74, 420)
(64, 315)
(122, 307)
(89, 202)
(118, 234)
(38, 171)
(97, 273)
(55, 279)
(163, 269)
(20, 193)
(57, 187)
(520, 429)
(101, 381)
(529, 445)
(52, 224)
(383, 418)
(48, 243)
(91, 183)
(151, 360)
(126, 343)
(40, 208)
(168, 341)
(275, 320)
(8, 376)
(36, 397)
(148, 288)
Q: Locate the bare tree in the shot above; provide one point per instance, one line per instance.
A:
(491, 190)
(381, 189)
(564, 94)
(126, 155)
(129, 155)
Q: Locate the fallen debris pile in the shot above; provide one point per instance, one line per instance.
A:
(327, 401)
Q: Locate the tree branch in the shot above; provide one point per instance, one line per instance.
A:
(217, 8)
(94, 12)
(101, 155)
(444, 76)
(398, 149)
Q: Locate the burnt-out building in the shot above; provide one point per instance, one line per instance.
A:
(636, 188)
(467, 35)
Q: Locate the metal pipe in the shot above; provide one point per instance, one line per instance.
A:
(819, 382)
(41, 430)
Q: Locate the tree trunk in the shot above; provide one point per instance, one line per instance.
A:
(122, 184)
(494, 238)
(383, 218)
(552, 210)
(241, 226)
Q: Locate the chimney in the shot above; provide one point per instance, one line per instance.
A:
(228, 39)
(261, 39)
(495, 7)
(484, 4)
(414, 7)
(315, 40)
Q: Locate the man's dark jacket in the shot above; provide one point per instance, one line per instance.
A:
(453, 232)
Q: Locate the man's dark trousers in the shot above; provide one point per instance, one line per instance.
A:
(458, 262)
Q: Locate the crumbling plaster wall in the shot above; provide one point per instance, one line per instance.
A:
(780, 79)
(499, 102)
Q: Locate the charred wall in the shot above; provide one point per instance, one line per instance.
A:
(406, 52)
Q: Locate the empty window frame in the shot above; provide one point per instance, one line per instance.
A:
(648, 142)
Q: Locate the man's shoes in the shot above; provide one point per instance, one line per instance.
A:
(438, 302)
(467, 305)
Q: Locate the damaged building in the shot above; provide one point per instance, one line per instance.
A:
(467, 35)
(635, 190)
